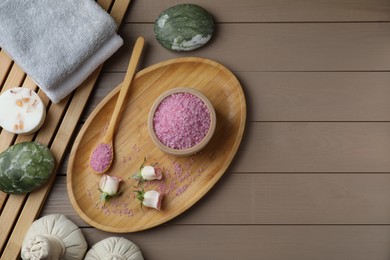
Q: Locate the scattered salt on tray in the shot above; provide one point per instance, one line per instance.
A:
(181, 121)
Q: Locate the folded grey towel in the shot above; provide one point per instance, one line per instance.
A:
(50, 39)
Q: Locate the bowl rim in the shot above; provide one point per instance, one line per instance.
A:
(196, 148)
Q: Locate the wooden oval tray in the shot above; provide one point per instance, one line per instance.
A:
(186, 179)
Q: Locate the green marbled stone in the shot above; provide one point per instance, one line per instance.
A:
(25, 167)
(184, 27)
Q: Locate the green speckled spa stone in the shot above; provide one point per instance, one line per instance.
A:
(184, 27)
(25, 167)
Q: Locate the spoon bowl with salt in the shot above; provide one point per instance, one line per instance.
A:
(102, 155)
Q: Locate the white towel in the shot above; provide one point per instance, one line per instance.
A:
(84, 70)
(58, 43)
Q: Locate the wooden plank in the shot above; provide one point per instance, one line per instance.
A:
(314, 147)
(274, 199)
(35, 200)
(278, 47)
(118, 10)
(9, 216)
(272, 11)
(317, 96)
(259, 242)
(3, 198)
(298, 96)
(5, 66)
(14, 78)
(58, 202)
(105, 4)
(105, 84)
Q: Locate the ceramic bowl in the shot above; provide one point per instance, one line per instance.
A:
(197, 147)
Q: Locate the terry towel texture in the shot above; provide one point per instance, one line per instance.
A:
(58, 43)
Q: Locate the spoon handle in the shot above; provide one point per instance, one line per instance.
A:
(135, 56)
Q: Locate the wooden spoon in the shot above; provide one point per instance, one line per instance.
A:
(102, 156)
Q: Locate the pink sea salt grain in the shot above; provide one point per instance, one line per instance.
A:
(101, 157)
(181, 121)
(181, 190)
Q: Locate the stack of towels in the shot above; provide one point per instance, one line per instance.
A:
(58, 43)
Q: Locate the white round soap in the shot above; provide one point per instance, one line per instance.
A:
(21, 111)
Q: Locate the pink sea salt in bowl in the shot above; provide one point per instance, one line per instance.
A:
(181, 121)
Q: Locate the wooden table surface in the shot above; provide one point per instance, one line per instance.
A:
(311, 178)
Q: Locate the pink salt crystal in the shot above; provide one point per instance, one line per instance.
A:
(181, 121)
(101, 157)
(177, 168)
(181, 190)
(106, 211)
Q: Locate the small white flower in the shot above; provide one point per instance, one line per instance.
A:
(150, 173)
(109, 187)
(151, 198)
